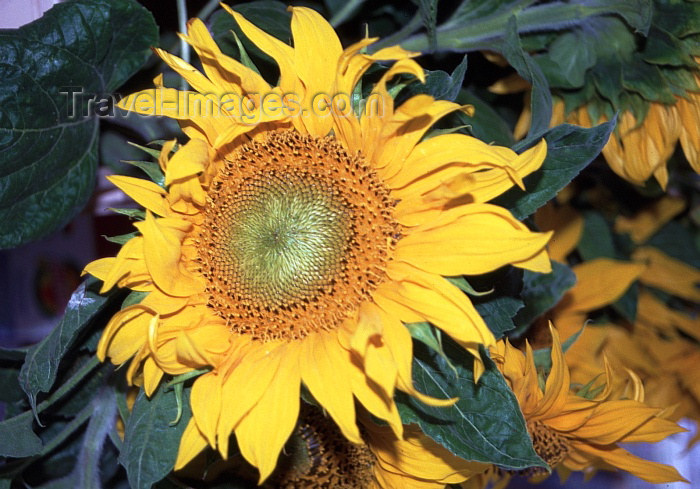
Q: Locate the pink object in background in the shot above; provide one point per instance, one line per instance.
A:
(15, 13)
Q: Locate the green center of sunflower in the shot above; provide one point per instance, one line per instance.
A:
(287, 236)
(296, 235)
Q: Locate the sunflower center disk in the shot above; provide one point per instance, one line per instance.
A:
(288, 237)
(296, 235)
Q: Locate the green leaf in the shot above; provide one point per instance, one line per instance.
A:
(498, 308)
(597, 238)
(25, 443)
(485, 124)
(438, 84)
(485, 424)
(52, 72)
(569, 150)
(150, 442)
(540, 97)
(542, 291)
(676, 240)
(41, 366)
(10, 364)
(567, 60)
(151, 168)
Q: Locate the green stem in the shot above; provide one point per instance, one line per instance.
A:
(484, 33)
(342, 15)
(396, 38)
(208, 9)
(182, 26)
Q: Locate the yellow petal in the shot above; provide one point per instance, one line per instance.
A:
(323, 368)
(438, 302)
(146, 193)
(653, 472)
(600, 282)
(279, 51)
(124, 334)
(557, 385)
(191, 444)
(567, 226)
(161, 247)
(264, 430)
(244, 384)
(189, 160)
(649, 220)
(317, 50)
(668, 274)
(471, 240)
(205, 400)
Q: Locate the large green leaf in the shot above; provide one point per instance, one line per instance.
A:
(569, 150)
(40, 368)
(485, 425)
(150, 441)
(51, 73)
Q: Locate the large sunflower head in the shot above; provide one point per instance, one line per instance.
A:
(295, 235)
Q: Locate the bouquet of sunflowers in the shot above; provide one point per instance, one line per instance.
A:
(368, 245)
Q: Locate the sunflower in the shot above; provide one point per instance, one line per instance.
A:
(642, 144)
(295, 234)
(322, 458)
(574, 432)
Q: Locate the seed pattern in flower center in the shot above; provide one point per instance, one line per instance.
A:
(288, 240)
(296, 235)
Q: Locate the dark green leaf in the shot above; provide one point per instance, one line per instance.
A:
(52, 72)
(151, 169)
(10, 363)
(485, 425)
(485, 124)
(566, 61)
(540, 98)
(596, 239)
(150, 442)
(676, 240)
(25, 443)
(542, 291)
(569, 150)
(438, 84)
(499, 307)
(41, 366)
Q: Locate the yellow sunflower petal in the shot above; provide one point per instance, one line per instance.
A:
(279, 51)
(205, 401)
(472, 240)
(317, 50)
(645, 224)
(668, 274)
(144, 192)
(653, 472)
(244, 384)
(161, 244)
(192, 443)
(321, 364)
(190, 160)
(600, 282)
(264, 430)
